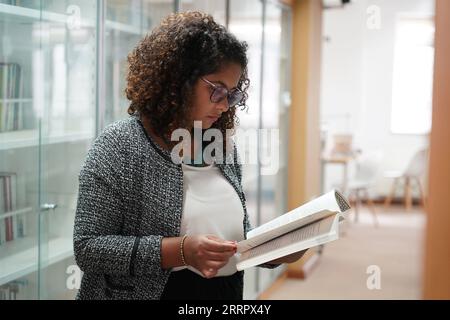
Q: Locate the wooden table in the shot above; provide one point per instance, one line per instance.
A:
(336, 159)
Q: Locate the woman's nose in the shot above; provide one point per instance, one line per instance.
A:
(223, 104)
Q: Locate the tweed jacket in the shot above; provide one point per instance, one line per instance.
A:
(130, 197)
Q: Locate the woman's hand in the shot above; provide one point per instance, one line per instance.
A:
(208, 253)
(289, 258)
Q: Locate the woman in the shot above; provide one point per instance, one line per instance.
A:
(147, 227)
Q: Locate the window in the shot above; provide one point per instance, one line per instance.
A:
(413, 76)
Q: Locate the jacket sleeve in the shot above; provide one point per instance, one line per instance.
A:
(99, 246)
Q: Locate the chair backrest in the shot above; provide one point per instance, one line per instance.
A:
(342, 144)
(418, 164)
(367, 167)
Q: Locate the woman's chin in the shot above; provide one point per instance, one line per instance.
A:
(206, 124)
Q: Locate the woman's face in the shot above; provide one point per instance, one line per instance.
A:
(202, 108)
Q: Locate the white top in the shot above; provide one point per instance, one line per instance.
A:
(211, 206)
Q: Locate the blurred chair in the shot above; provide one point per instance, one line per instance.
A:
(341, 153)
(415, 170)
(367, 169)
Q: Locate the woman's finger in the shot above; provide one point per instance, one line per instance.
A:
(219, 245)
(215, 264)
(219, 256)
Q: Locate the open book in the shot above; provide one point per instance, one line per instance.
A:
(310, 225)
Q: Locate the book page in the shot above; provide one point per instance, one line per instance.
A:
(257, 240)
(332, 201)
(314, 234)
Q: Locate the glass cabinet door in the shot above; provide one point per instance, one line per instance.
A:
(47, 122)
(50, 59)
(274, 120)
(62, 80)
(126, 23)
(20, 102)
(245, 22)
(65, 70)
(270, 112)
(123, 29)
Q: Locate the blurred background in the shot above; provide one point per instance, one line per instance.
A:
(347, 84)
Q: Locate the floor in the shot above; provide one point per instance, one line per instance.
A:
(367, 262)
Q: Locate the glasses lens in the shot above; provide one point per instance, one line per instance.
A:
(234, 98)
(219, 94)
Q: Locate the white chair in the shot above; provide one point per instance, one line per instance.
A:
(415, 170)
(367, 169)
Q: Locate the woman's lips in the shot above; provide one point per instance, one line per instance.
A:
(213, 118)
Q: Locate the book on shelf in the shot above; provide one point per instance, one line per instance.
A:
(11, 290)
(11, 106)
(11, 226)
(310, 225)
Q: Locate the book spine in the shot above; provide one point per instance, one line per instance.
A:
(13, 206)
(2, 96)
(2, 211)
(2, 231)
(11, 117)
(11, 227)
(21, 203)
(8, 208)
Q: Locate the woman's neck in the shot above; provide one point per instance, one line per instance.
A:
(195, 145)
(150, 131)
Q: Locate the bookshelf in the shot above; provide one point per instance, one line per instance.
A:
(18, 263)
(15, 212)
(72, 57)
(48, 64)
(21, 14)
(51, 76)
(30, 138)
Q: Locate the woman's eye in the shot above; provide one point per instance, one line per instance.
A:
(223, 90)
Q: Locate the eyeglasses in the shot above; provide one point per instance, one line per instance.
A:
(234, 96)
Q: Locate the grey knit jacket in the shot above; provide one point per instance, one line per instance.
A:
(130, 197)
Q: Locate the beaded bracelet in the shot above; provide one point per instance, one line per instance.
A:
(182, 250)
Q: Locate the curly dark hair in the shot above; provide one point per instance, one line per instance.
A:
(166, 64)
